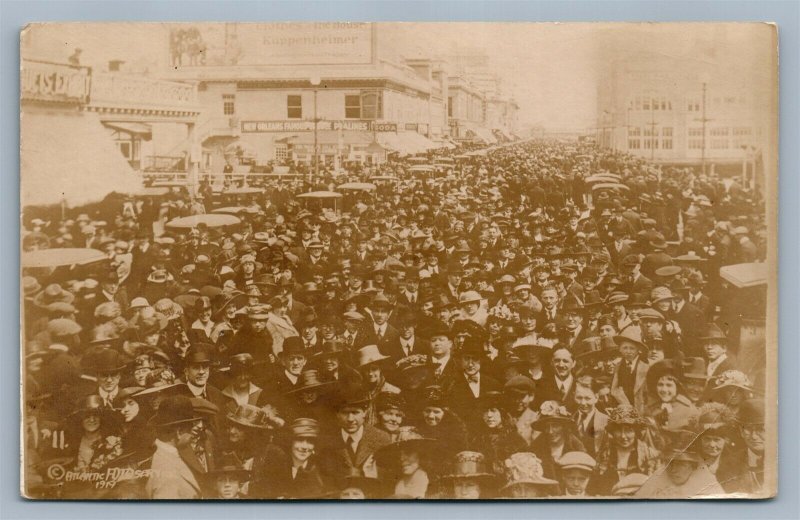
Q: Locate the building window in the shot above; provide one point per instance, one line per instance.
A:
(367, 105)
(281, 152)
(634, 131)
(450, 106)
(371, 105)
(228, 104)
(352, 106)
(719, 144)
(666, 138)
(634, 144)
(695, 132)
(294, 107)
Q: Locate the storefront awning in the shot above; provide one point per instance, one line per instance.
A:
(483, 134)
(69, 157)
(138, 129)
(406, 143)
(328, 137)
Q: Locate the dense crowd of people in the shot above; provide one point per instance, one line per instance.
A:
(505, 327)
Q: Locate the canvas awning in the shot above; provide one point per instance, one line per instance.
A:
(484, 134)
(69, 157)
(138, 129)
(332, 137)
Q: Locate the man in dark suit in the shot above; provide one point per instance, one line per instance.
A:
(636, 282)
(690, 319)
(471, 384)
(197, 369)
(409, 297)
(382, 333)
(408, 343)
(697, 297)
(550, 312)
(591, 422)
(560, 385)
(574, 330)
(715, 345)
(349, 451)
(628, 383)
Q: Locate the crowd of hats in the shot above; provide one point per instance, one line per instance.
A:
(511, 257)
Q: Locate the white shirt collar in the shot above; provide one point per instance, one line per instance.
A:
(106, 395)
(291, 377)
(196, 390)
(355, 436)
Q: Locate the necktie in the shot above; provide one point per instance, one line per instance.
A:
(474, 379)
(581, 425)
(439, 369)
(351, 445)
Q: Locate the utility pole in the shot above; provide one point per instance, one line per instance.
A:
(652, 126)
(703, 151)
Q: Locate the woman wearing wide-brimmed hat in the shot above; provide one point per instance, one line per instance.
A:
(409, 459)
(469, 477)
(626, 449)
(92, 433)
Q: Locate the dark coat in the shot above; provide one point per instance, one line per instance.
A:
(541, 449)
(338, 461)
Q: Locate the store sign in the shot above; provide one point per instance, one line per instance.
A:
(318, 43)
(412, 127)
(40, 81)
(123, 89)
(307, 126)
(384, 127)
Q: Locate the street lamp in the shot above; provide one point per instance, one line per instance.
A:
(705, 78)
(315, 82)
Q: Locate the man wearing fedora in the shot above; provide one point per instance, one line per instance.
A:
(352, 445)
(334, 365)
(170, 477)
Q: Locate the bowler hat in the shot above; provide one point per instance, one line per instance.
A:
(293, 345)
(105, 360)
(200, 354)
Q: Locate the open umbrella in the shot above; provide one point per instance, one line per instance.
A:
(234, 210)
(418, 159)
(320, 195)
(211, 220)
(64, 256)
(609, 186)
(422, 168)
(384, 178)
(602, 177)
(357, 186)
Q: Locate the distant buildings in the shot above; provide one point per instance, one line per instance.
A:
(697, 109)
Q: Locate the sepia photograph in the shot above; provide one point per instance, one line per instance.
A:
(398, 261)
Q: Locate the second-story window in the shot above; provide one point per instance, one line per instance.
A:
(294, 107)
(228, 104)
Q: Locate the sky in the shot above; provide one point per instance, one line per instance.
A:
(550, 69)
